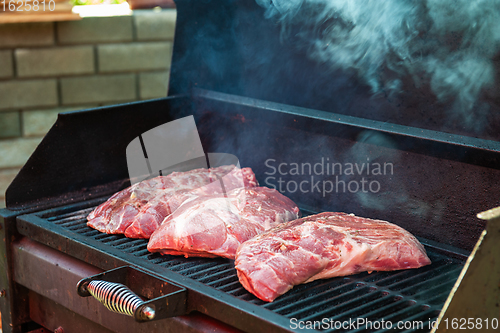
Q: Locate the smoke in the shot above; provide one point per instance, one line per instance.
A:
(445, 44)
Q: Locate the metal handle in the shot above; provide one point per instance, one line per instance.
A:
(118, 298)
(162, 298)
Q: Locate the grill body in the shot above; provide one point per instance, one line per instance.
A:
(213, 284)
(55, 225)
(231, 79)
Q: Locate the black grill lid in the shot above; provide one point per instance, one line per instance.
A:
(230, 46)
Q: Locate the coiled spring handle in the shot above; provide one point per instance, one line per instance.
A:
(163, 298)
(118, 298)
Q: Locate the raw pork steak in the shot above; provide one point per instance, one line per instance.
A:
(138, 210)
(323, 246)
(216, 225)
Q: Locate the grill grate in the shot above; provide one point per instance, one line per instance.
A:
(414, 297)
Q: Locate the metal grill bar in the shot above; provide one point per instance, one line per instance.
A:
(397, 296)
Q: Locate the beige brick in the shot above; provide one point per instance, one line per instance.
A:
(15, 152)
(153, 85)
(150, 25)
(39, 122)
(6, 177)
(98, 89)
(55, 61)
(20, 94)
(6, 66)
(26, 34)
(135, 56)
(10, 124)
(95, 30)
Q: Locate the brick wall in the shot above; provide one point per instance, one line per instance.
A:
(52, 67)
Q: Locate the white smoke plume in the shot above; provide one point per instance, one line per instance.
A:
(446, 44)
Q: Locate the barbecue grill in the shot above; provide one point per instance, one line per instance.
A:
(266, 103)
